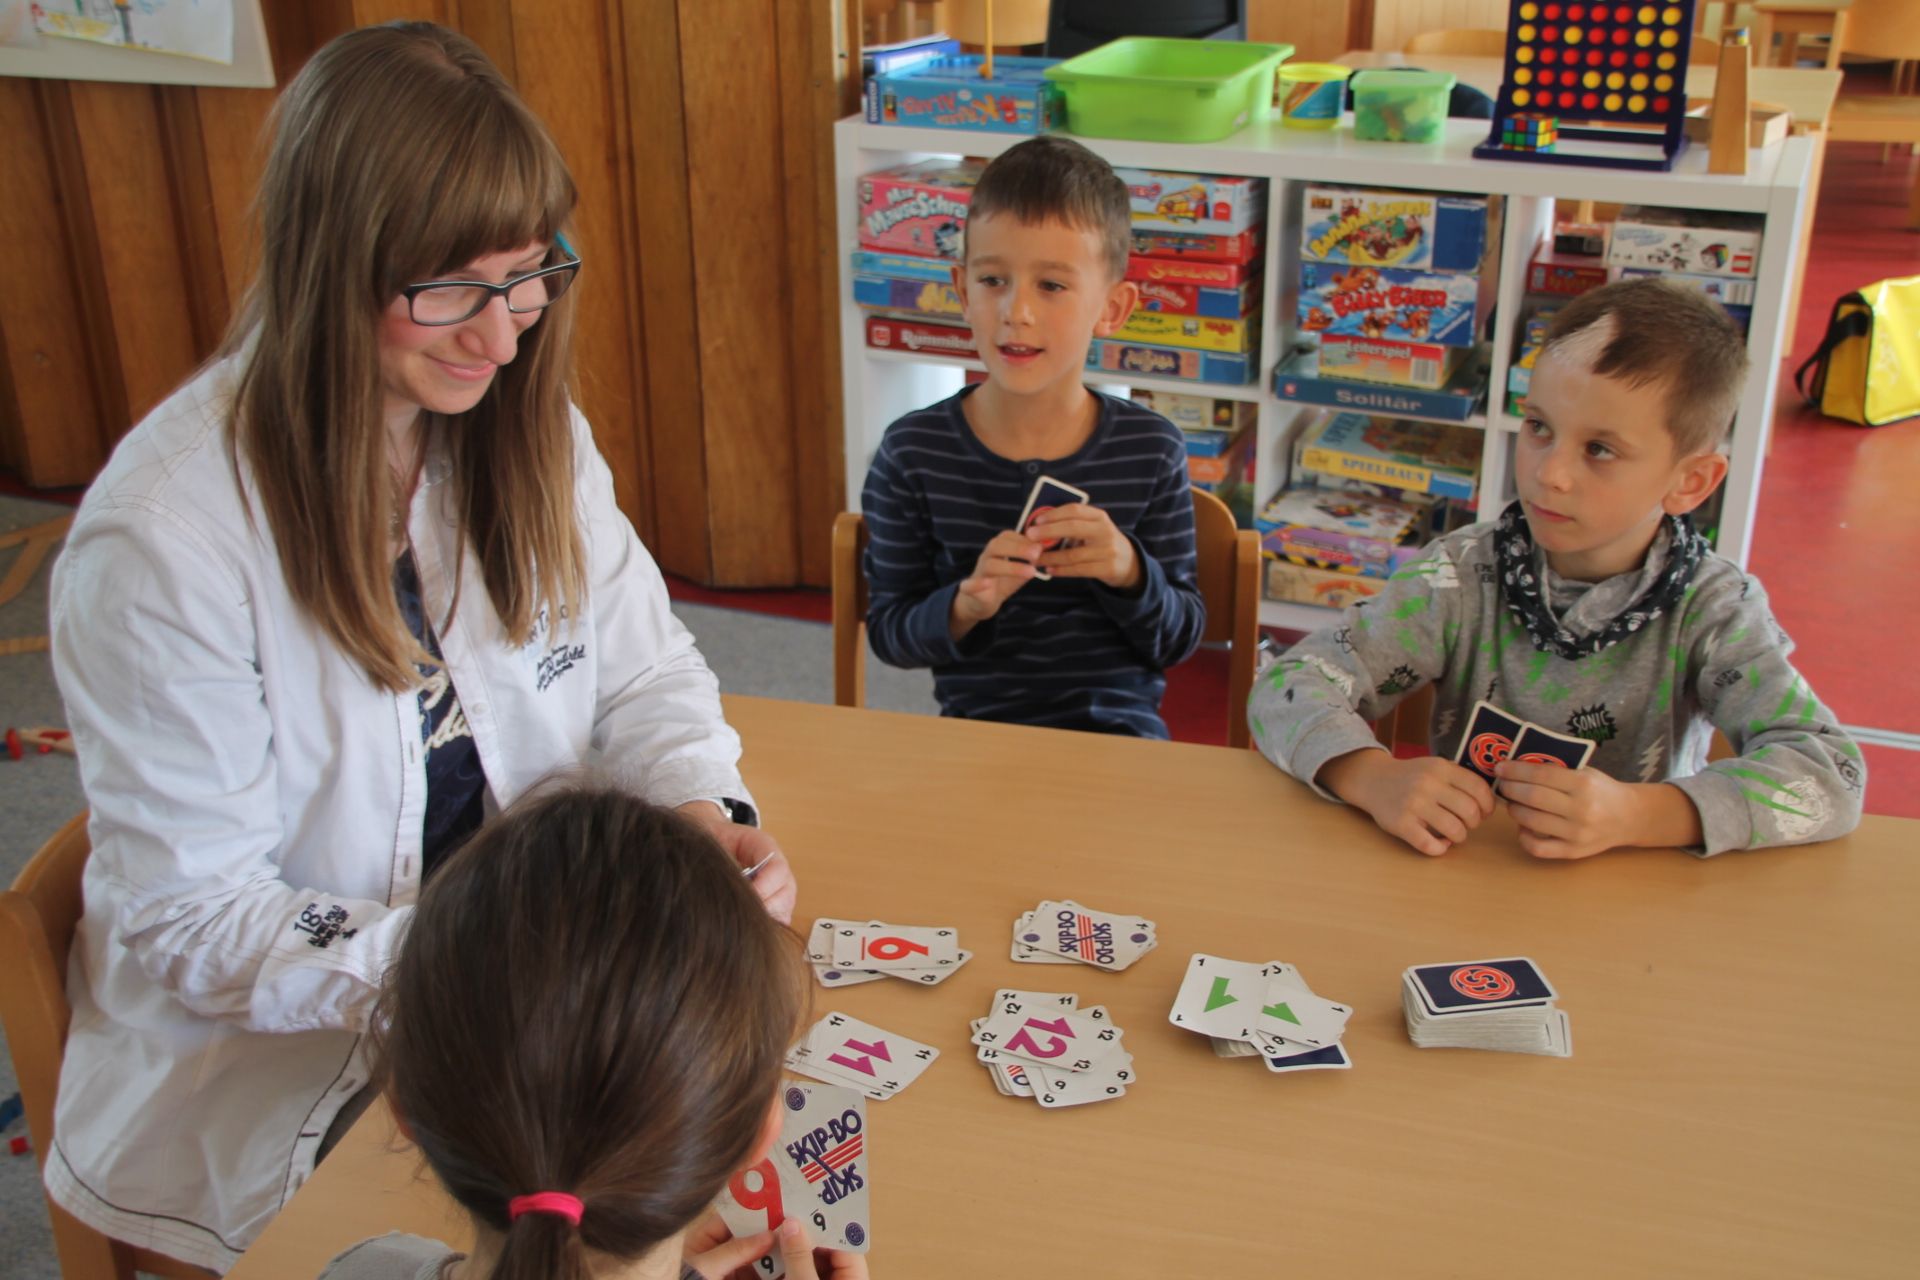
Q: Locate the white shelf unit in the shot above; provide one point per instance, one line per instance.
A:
(882, 385)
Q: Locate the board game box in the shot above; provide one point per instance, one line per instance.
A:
(1235, 337)
(1329, 529)
(1667, 241)
(1293, 583)
(1112, 356)
(1194, 202)
(888, 333)
(1421, 457)
(1566, 274)
(1425, 366)
(1298, 378)
(1196, 300)
(1213, 275)
(1448, 308)
(1192, 413)
(922, 297)
(902, 266)
(1237, 249)
(1413, 230)
(948, 93)
(918, 208)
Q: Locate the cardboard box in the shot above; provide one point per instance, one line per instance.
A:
(1667, 241)
(1299, 379)
(1204, 333)
(1421, 457)
(1330, 529)
(1448, 308)
(1194, 202)
(1197, 300)
(888, 334)
(922, 297)
(948, 93)
(902, 266)
(918, 209)
(1186, 363)
(1724, 290)
(1192, 271)
(1293, 583)
(1423, 365)
(1210, 470)
(1411, 230)
(1566, 274)
(1197, 414)
(1765, 125)
(1235, 250)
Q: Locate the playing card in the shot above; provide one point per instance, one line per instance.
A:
(1023, 924)
(820, 956)
(1218, 997)
(1105, 1082)
(1301, 1018)
(816, 1170)
(1045, 1036)
(1037, 999)
(925, 977)
(1478, 986)
(1047, 494)
(1332, 1058)
(1488, 740)
(832, 977)
(1544, 746)
(1102, 939)
(881, 946)
(846, 1051)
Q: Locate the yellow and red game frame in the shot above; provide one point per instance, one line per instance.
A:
(1614, 63)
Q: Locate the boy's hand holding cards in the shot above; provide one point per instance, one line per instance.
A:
(1047, 494)
(1265, 1010)
(1503, 1005)
(816, 1171)
(1041, 1045)
(1493, 736)
(858, 1055)
(845, 953)
(1064, 932)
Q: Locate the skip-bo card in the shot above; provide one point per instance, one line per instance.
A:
(1480, 986)
(1098, 938)
(1047, 494)
(817, 1171)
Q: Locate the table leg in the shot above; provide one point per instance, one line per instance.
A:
(1837, 39)
(1762, 39)
(1790, 48)
(1815, 171)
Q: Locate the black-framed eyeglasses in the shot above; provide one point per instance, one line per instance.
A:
(452, 301)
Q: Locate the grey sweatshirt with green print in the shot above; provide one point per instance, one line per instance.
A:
(1650, 702)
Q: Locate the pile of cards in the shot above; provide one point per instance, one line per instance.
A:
(846, 1051)
(1492, 736)
(1064, 932)
(1504, 1005)
(1041, 1045)
(1264, 1009)
(845, 953)
(816, 1171)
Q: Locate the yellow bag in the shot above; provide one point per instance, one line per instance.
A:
(1867, 368)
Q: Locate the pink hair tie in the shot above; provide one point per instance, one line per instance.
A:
(568, 1207)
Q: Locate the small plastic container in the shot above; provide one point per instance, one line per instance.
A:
(1392, 105)
(1312, 94)
(1163, 90)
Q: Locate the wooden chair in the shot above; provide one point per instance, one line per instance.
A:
(1881, 29)
(1229, 581)
(1463, 42)
(38, 916)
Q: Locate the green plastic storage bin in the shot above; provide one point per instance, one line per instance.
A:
(1391, 105)
(1162, 90)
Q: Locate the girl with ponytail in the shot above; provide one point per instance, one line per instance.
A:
(583, 1034)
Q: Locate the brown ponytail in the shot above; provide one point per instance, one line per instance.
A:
(590, 1000)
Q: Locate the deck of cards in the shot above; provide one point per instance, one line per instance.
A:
(858, 1055)
(846, 953)
(1261, 1009)
(817, 1171)
(1492, 736)
(1503, 1005)
(1048, 493)
(1064, 932)
(1042, 1045)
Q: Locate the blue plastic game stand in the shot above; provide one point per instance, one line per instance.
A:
(1550, 62)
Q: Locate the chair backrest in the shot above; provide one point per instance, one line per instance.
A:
(1229, 581)
(1075, 26)
(38, 918)
(849, 610)
(1462, 42)
(1882, 29)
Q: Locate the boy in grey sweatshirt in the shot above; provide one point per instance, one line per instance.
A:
(1590, 607)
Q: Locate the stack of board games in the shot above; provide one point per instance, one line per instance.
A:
(949, 92)
(1340, 531)
(1219, 436)
(1714, 253)
(1196, 242)
(1395, 290)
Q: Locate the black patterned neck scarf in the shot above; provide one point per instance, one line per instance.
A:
(1520, 587)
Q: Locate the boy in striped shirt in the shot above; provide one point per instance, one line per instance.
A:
(951, 582)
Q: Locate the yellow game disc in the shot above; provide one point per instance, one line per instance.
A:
(1522, 76)
(1613, 102)
(1668, 39)
(1672, 16)
(1636, 103)
(1591, 80)
(1572, 35)
(1665, 61)
(1639, 80)
(1615, 80)
(1663, 83)
(1643, 38)
(1521, 97)
(1647, 14)
(1528, 12)
(1526, 33)
(1523, 54)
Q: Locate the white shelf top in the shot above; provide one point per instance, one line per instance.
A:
(1267, 148)
(1295, 617)
(1176, 386)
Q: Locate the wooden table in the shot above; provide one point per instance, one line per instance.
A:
(1743, 1099)
(1791, 19)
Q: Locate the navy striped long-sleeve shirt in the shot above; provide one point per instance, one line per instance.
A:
(1069, 653)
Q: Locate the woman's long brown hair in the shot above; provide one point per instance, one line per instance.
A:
(399, 154)
(592, 1000)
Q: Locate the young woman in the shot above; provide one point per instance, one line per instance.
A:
(585, 1051)
(359, 582)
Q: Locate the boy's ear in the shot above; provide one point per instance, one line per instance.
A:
(1119, 305)
(960, 283)
(1698, 477)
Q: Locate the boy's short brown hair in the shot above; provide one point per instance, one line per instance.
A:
(1667, 334)
(1050, 177)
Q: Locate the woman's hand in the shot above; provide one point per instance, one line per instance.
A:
(749, 846)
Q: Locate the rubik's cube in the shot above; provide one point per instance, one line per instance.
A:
(1529, 131)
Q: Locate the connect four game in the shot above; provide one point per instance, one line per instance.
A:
(1579, 73)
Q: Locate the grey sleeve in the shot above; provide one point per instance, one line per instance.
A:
(1316, 703)
(1798, 777)
(394, 1256)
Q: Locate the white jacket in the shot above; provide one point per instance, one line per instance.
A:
(257, 807)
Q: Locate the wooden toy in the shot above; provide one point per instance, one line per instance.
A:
(1618, 68)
